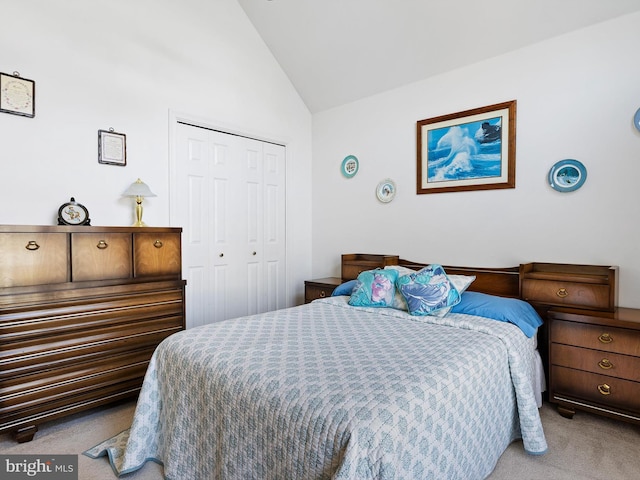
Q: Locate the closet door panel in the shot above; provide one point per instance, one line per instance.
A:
(234, 247)
(194, 203)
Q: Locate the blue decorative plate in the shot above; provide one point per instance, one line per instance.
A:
(636, 119)
(567, 175)
(350, 166)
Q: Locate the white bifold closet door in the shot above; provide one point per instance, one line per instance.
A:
(231, 205)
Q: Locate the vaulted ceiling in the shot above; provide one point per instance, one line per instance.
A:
(338, 51)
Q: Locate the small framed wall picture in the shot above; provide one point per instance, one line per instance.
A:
(112, 147)
(17, 95)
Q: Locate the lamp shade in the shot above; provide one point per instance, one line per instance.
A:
(138, 189)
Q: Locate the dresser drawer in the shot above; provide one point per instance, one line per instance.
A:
(596, 337)
(596, 361)
(600, 389)
(33, 259)
(100, 256)
(157, 254)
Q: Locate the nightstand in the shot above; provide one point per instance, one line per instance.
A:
(594, 359)
(320, 288)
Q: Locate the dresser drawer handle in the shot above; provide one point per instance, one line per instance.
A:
(323, 294)
(562, 293)
(32, 245)
(604, 389)
(605, 364)
(157, 244)
(102, 245)
(605, 338)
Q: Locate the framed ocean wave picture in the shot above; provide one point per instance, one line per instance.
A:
(470, 150)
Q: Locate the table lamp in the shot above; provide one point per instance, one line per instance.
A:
(139, 190)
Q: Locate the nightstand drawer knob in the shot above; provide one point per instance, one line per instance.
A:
(604, 389)
(605, 364)
(102, 245)
(605, 338)
(562, 293)
(323, 294)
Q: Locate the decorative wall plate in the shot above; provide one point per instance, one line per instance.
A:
(567, 175)
(636, 119)
(350, 166)
(386, 190)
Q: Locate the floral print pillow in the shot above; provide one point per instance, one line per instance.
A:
(428, 290)
(375, 288)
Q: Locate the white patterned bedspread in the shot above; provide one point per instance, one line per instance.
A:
(330, 391)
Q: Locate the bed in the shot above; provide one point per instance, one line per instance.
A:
(330, 390)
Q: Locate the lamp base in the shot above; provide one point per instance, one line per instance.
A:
(139, 222)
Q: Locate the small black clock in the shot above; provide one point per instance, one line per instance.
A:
(73, 213)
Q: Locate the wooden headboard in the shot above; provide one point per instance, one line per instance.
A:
(504, 282)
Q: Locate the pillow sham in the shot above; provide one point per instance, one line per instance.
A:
(428, 290)
(375, 288)
(511, 310)
(345, 288)
(461, 283)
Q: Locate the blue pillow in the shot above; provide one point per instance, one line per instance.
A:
(345, 289)
(375, 288)
(511, 310)
(428, 290)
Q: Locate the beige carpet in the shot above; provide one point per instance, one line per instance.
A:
(587, 447)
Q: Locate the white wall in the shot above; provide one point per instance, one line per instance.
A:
(127, 64)
(576, 97)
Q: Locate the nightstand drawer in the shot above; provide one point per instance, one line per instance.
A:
(594, 287)
(596, 361)
(584, 295)
(597, 337)
(600, 389)
(320, 288)
(313, 292)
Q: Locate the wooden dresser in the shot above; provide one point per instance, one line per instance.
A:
(81, 311)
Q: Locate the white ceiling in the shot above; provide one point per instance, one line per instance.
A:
(338, 51)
